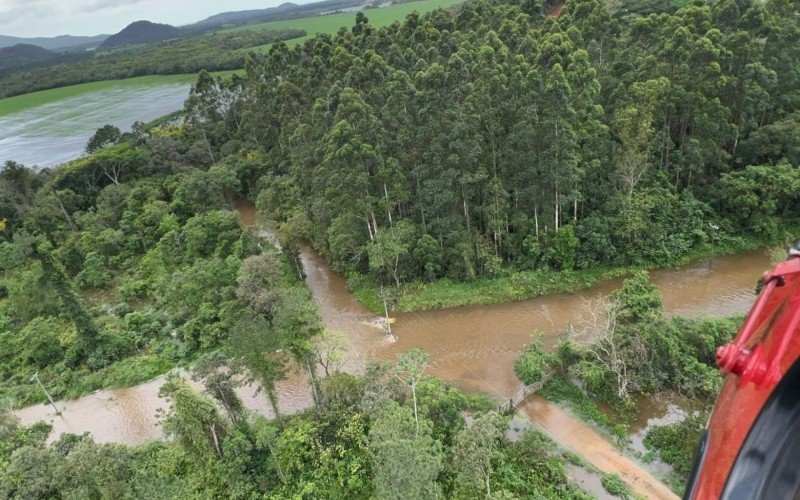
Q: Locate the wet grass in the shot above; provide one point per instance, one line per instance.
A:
(19, 103)
(445, 293)
(69, 384)
(520, 285)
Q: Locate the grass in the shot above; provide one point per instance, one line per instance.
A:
(22, 102)
(517, 285)
(331, 23)
(616, 486)
(68, 384)
(560, 390)
(520, 285)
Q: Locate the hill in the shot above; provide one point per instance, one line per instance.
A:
(240, 16)
(22, 54)
(141, 32)
(284, 11)
(61, 42)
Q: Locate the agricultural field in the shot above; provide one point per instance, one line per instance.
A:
(331, 23)
(23, 102)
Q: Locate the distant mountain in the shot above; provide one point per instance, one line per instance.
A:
(23, 54)
(141, 32)
(243, 16)
(286, 10)
(62, 42)
(146, 31)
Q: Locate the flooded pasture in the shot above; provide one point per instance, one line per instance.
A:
(53, 133)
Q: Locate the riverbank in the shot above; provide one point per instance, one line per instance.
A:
(522, 285)
(472, 348)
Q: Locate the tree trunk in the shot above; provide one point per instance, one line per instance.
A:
(66, 214)
(369, 228)
(416, 415)
(273, 401)
(575, 209)
(386, 195)
(556, 209)
(312, 378)
(466, 207)
(216, 440)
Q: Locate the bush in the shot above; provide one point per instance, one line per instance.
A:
(675, 443)
(42, 342)
(559, 390)
(533, 366)
(615, 485)
(94, 272)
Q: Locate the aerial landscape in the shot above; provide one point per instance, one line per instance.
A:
(397, 249)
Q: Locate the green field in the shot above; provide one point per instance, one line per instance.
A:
(331, 23)
(19, 103)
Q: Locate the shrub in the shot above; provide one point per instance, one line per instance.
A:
(534, 364)
(615, 485)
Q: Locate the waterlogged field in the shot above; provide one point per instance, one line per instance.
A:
(50, 127)
(332, 22)
(56, 132)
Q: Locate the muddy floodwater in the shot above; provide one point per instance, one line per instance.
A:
(472, 347)
(53, 133)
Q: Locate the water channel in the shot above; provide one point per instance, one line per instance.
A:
(471, 347)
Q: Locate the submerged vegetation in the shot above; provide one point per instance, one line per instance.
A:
(363, 441)
(625, 347)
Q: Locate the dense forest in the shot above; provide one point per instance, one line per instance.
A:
(452, 146)
(212, 52)
(463, 146)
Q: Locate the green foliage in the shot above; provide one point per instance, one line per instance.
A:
(41, 342)
(561, 390)
(406, 459)
(563, 252)
(533, 366)
(105, 136)
(638, 301)
(194, 421)
(474, 450)
(675, 443)
(501, 159)
(759, 197)
(614, 484)
(94, 273)
(532, 467)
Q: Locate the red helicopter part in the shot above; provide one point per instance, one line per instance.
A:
(751, 447)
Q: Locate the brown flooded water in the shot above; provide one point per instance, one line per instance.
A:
(472, 347)
(575, 435)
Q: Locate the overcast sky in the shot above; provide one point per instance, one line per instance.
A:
(29, 18)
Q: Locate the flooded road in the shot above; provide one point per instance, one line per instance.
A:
(471, 347)
(53, 133)
(572, 433)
